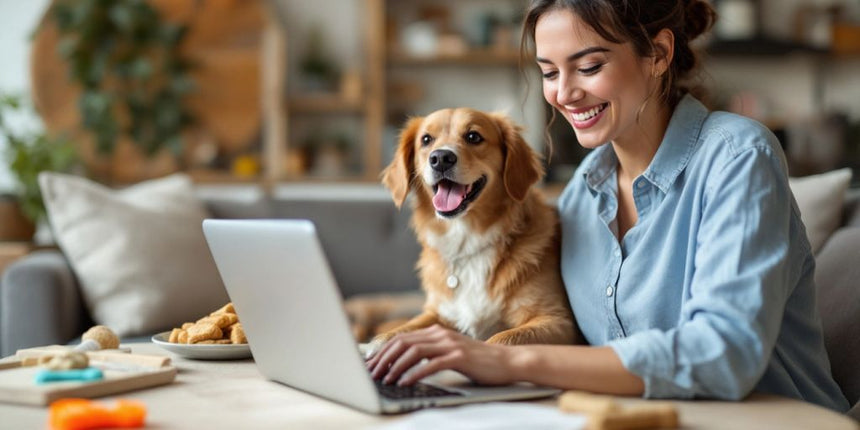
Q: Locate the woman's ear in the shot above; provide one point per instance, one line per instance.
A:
(664, 51)
(398, 175)
(522, 167)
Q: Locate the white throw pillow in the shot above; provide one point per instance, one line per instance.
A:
(139, 253)
(820, 199)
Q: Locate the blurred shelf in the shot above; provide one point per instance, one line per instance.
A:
(471, 58)
(760, 47)
(324, 103)
(212, 176)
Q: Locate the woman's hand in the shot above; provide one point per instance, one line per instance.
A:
(445, 349)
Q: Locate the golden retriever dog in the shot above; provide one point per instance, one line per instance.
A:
(489, 264)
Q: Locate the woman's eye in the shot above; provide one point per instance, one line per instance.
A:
(474, 137)
(426, 139)
(591, 70)
(549, 75)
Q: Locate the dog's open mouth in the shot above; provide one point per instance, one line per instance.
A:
(451, 198)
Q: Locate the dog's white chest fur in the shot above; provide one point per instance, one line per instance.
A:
(470, 257)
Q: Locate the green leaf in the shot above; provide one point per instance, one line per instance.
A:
(122, 16)
(141, 68)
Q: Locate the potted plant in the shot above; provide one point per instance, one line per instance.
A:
(131, 72)
(27, 154)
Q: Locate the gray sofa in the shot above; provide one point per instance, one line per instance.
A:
(367, 241)
(371, 249)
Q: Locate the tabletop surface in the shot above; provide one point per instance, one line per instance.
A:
(233, 394)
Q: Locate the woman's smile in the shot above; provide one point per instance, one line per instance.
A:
(583, 118)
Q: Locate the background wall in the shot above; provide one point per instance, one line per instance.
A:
(791, 88)
(17, 21)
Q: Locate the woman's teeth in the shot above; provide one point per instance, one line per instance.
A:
(585, 116)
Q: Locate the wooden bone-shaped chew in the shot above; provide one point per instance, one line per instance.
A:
(605, 414)
(68, 360)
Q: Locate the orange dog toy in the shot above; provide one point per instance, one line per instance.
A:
(81, 414)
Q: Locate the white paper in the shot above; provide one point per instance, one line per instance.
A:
(499, 415)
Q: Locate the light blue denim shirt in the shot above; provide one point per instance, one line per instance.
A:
(711, 293)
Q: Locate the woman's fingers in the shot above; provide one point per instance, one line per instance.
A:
(450, 360)
(412, 356)
(380, 364)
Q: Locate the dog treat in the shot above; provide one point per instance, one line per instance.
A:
(604, 413)
(585, 403)
(237, 334)
(663, 416)
(221, 320)
(68, 360)
(226, 309)
(203, 331)
(218, 327)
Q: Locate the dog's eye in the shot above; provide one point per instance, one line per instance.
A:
(426, 139)
(474, 137)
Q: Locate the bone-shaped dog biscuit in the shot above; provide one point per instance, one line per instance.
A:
(237, 334)
(224, 319)
(605, 414)
(203, 331)
(226, 309)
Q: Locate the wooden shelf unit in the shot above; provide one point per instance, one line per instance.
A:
(469, 58)
(285, 112)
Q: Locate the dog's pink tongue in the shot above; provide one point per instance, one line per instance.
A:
(449, 196)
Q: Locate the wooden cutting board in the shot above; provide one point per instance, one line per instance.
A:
(17, 384)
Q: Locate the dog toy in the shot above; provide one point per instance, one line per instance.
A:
(68, 360)
(605, 414)
(83, 414)
(98, 337)
(81, 375)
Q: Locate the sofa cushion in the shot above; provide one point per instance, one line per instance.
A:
(838, 298)
(820, 199)
(139, 253)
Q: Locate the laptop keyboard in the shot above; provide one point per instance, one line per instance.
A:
(418, 390)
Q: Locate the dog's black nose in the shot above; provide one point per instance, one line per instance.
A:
(442, 160)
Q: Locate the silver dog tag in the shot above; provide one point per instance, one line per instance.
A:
(453, 282)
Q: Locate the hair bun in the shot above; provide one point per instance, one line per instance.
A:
(699, 17)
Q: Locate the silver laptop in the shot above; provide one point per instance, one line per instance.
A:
(278, 278)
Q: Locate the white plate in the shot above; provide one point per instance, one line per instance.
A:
(204, 351)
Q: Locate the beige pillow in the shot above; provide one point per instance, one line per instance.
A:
(139, 253)
(820, 199)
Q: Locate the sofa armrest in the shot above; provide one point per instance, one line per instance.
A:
(40, 303)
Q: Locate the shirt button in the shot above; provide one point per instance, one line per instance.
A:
(609, 291)
(641, 184)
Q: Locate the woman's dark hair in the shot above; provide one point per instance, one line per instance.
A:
(637, 22)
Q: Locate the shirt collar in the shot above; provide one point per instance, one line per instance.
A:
(672, 156)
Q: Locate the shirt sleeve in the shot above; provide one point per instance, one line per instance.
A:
(742, 280)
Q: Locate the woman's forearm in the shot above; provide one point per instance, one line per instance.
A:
(595, 369)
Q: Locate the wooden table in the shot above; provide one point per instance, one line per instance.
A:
(233, 395)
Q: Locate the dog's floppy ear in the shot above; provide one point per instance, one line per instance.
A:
(398, 175)
(522, 165)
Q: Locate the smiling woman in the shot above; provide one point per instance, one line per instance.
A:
(683, 254)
